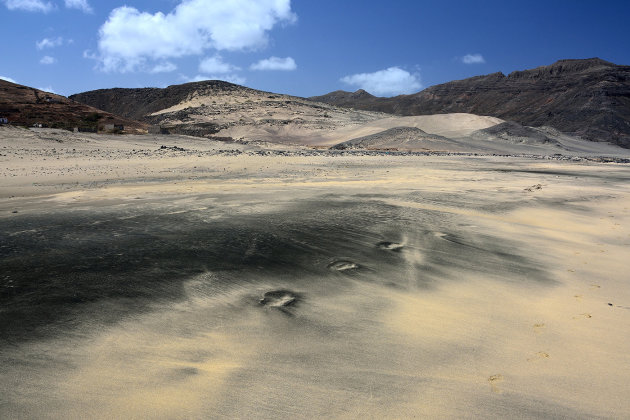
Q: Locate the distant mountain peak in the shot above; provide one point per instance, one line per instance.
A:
(362, 92)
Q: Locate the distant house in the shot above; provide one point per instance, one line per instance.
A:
(156, 129)
(85, 129)
(113, 127)
(4, 120)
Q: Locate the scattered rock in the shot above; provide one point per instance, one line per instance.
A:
(534, 187)
(175, 148)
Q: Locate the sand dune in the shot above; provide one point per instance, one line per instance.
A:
(446, 125)
(462, 133)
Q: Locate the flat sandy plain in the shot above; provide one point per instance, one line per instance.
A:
(135, 280)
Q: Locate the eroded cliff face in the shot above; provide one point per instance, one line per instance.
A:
(589, 98)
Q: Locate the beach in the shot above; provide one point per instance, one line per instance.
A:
(179, 277)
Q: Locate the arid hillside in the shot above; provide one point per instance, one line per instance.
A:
(221, 109)
(23, 105)
(589, 98)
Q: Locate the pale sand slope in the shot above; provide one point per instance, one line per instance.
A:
(447, 125)
(460, 132)
(508, 300)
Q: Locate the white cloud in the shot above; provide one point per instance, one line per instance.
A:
(275, 63)
(129, 38)
(89, 54)
(8, 79)
(49, 43)
(48, 60)
(165, 67)
(216, 65)
(473, 59)
(29, 5)
(232, 78)
(388, 82)
(79, 4)
(48, 89)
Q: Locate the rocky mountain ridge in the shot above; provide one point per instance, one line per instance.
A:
(589, 98)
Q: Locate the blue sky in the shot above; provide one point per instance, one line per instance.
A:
(299, 47)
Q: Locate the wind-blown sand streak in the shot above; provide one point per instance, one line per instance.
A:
(158, 292)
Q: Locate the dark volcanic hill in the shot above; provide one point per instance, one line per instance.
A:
(348, 99)
(24, 105)
(589, 98)
(138, 103)
(397, 138)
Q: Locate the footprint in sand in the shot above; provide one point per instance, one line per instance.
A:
(281, 299)
(595, 286)
(343, 265)
(390, 246)
(584, 315)
(494, 381)
(539, 327)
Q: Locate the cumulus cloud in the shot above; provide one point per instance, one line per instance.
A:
(473, 59)
(129, 38)
(388, 82)
(275, 63)
(30, 5)
(49, 43)
(165, 67)
(48, 60)
(8, 79)
(232, 78)
(216, 64)
(82, 5)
